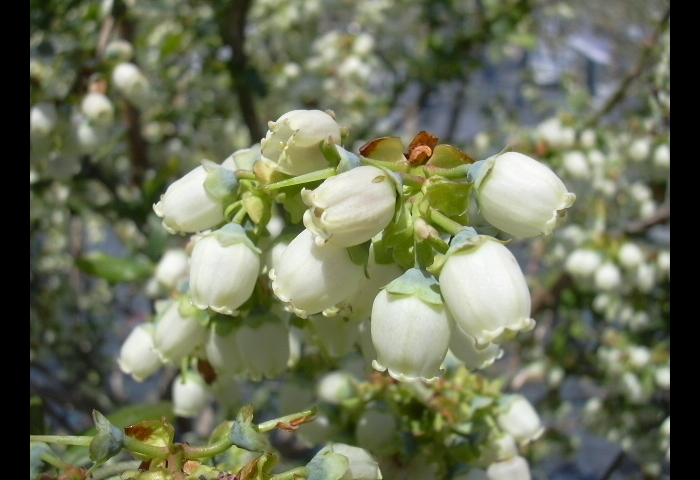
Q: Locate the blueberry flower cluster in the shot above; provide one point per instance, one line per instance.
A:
(375, 250)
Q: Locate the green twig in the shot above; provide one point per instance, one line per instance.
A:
(83, 441)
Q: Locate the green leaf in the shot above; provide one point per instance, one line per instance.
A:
(113, 269)
(327, 466)
(244, 435)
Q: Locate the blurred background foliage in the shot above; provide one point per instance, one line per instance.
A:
(582, 86)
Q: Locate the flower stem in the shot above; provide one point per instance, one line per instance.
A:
(302, 179)
(51, 460)
(245, 175)
(151, 451)
(83, 441)
(207, 451)
(450, 226)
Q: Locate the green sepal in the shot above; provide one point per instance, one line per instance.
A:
(258, 205)
(468, 239)
(329, 151)
(223, 324)
(449, 198)
(419, 283)
(424, 254)
(233, 233)
(348, 160)
(107, 443)
(328, 466)
(187, 310)
(221, 183)
(244, 435)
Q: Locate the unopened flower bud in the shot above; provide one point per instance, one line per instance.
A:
(350, 208)
(137, 356)
(519, 195)
(190, 205)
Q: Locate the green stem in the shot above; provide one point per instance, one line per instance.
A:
(302, 179)
(412, 181)
(207, 451)
(450, 226)
(402, 167)
(455, 173)
(302, 472)
(83, 441)
(51, 460)
(151, 451)
(272, 424)
(245, 175)
(239, 216)
(439, 244)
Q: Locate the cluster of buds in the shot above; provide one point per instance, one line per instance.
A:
(388, 250)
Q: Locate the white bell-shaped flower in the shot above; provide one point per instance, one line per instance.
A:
(519, 195)
(350, 208)
(311, 278)
(630, 255)
(132, 83)
(515, 468)
(263, 342)
(336, 386)
(361, 464)
(173, 267)
(137, 356)
(518, 418)
(378, 276)
(42, 119)
(98, 108)
(463, 346)
(190, 395)
(410, 328)
(194, 202)
(224, 269)
(336, 335)
(484, 288)
(293, 141)
(223, 354)
(607, 277)
(583, 262)
(377, 431)
(176, 335)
